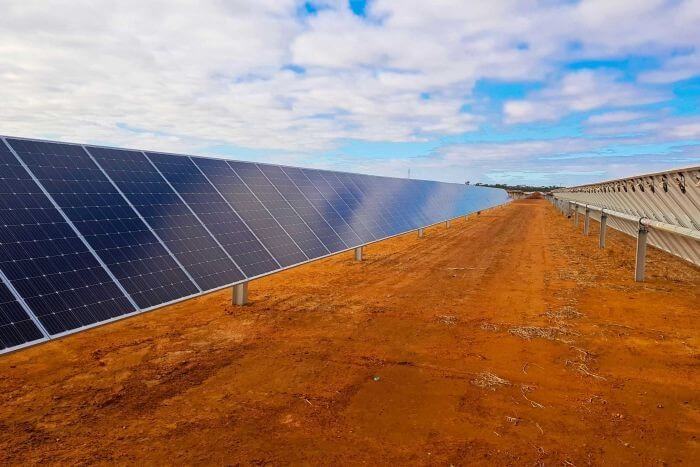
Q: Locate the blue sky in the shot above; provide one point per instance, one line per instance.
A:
(502, 91)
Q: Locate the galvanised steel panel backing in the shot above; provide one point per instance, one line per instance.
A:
(89, 213)
(671, 197)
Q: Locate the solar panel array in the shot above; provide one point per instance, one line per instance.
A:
(92, 234)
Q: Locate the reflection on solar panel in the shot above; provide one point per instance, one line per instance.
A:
(303, 207)
(322, 205)
(216, 214)
(45, 260)
(280, 209)
(169, 217)
(252, 211)
(91, 234)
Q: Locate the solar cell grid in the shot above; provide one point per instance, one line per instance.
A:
(252, 211)
(324, 208)
(303, 207)
(16, 327)
(46, 261)
(169, 217)
(388, 220)
(91, 234)
(280, 209)
(339, 205)
(350, 215)
(215, 213)
(411, 200)
(367, 210)
(400, 198)
(107, 222)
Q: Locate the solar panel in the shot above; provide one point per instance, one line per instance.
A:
(215, 213)
(379, 223)
(371, 191)
(252, 211)
(325, 208)
(91, 234)
(340, 206)
(303, 207)
(361, 212)
(418, 201)
(16, 326)
(206, 263)
(110, 226)
(46, 261)
(280, 209)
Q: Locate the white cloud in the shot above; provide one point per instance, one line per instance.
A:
(675, 69)
(579, 91)
(182, 75)
(616, 117)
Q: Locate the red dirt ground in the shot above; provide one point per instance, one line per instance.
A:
(508, 338)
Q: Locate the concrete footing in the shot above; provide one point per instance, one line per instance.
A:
(358, 253)
(640, 262)
(240, 294)
(603, 229)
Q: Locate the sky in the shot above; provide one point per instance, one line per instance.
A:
(540, 92)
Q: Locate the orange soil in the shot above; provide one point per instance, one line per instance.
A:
(391, 361)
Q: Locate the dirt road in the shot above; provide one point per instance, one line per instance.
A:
(507, 338)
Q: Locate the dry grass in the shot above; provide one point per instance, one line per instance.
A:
(449, 320)
(567, 312)
(489, 381)
(486, 326)
(552, 333)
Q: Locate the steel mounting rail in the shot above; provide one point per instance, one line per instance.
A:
(662, 209)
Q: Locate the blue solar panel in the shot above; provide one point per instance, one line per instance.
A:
(169, 217)
(280, 209)
(364, 209)
(90, 234)
(340, 206)
(408, 198)
(45, 260)
(112, 228)
(216, 214)
(16, 327)
(303, 207)
(369, 188)
(325, 208)
(395, 193)
(252, 211)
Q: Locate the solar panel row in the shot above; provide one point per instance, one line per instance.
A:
(91, 234)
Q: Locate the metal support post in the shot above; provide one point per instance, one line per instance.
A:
(447, 224)
(603, 228)
(358, 253)
(587, 221)
(240, 294)
(421, 232)
(641, 254)
(575, 215)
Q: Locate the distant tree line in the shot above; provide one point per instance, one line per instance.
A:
(543, 189)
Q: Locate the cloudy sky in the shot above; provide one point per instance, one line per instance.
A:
(550, 92)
